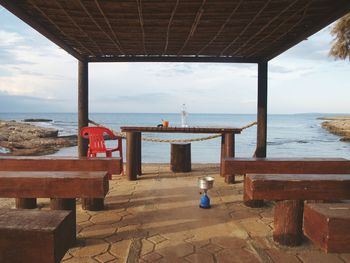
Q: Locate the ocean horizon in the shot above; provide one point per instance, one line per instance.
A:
(289, 135)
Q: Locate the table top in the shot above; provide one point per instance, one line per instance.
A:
(173, 129)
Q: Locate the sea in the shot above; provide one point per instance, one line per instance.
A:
(288, 135)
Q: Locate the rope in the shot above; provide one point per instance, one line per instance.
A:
(149, 139)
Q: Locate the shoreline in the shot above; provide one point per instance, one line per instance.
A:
(338, 125)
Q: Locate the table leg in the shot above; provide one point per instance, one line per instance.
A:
(227, 150)
(138, 153)
(133, 152)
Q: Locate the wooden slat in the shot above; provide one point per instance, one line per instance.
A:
(180, 129)
(297, 186)
(110, 165)
(287, 165)
(51, 184)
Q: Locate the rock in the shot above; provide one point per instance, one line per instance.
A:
(37, 120)
(339, 126)
(27, 139)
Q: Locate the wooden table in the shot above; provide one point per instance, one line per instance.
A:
(133, 148)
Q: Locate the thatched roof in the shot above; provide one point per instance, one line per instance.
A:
(177, 30)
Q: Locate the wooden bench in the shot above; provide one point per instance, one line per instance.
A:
(61, 187)
(289, 191)
(284, 166)
(35, 236)
(327, 226)
(111, 165)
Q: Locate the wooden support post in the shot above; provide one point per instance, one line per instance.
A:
(65, 204)
(26, 203)
(139, 153)
(261, 139)
(133, 153)
(262, 111)
(288, 220)
(227, 150)
(83, 105)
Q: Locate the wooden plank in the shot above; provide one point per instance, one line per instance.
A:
(297, 187)
(287, 165)
(53, 184)
(35, 236)
(43, 163)
(181, 129)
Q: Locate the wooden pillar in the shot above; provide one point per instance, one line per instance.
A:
(83, 105)
(262, 123)
(262, 111)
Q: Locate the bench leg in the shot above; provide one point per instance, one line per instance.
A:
(26, 203)
(288, 220)
(92, 204)
(250, 203)
(66, 204)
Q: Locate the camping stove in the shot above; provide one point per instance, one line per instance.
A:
(205, 183)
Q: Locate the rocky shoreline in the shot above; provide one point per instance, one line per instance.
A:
(20, 138)
(339, 125)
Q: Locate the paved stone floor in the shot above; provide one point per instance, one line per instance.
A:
(157, 219)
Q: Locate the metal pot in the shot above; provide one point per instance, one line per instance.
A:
(206, 182)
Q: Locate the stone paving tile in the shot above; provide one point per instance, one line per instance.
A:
(318, 256)
(157, 219)
(201, 257)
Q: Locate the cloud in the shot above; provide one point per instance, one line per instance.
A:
(11, 103)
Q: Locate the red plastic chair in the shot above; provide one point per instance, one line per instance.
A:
(97, 142)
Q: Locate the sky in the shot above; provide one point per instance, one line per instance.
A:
(38, 76)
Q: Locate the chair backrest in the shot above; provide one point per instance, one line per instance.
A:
(95, 136)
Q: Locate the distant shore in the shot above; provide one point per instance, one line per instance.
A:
(338, 125)
(21, 138)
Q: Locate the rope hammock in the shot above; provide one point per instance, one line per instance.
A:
(149, 139)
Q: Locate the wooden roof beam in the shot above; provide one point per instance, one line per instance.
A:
(222, 27)
(169, 25)
(257, 43)
(77, 26)
(192, 59)
(264, 27)
(245, 28)
(98, 26)
(109, 25)
(139, 9)
(58, 28)
(13, 8)
(194, 25)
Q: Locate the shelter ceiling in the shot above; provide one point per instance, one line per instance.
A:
(177, 30)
